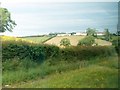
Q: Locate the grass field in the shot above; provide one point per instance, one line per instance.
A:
(98, 73)
(74, 40)
(37, 39)
(102, 42)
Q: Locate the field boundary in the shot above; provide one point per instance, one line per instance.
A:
(48, 39)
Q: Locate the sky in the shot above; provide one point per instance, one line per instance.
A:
(37, 17)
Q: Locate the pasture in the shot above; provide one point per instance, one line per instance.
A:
(40, 39)
(74, 40)
(103, 42)
(56, 40)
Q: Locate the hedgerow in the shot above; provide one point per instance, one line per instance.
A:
(35, 52)
(40, 52)
(86, 52)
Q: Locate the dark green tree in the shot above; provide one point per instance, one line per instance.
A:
(107, 34)
(6, 23)
(87, 41)
(65, 42)
(73, 33)
(118, 33)
(91, 32)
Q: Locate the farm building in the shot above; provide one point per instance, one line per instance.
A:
(66, 34)
(81, 33)
(78, 33)
(100, 33)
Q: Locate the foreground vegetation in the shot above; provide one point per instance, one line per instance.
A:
(74, 66)
(97, 73)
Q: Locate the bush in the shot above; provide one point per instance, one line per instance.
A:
(65, 42)
(116, 43)
(17, 64)
(87, 41)
(40, 52)
(86, 52)
(35, 52)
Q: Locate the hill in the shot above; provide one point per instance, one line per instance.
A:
(39, 39)
(15, 39)
(56, 40)
(74, 40)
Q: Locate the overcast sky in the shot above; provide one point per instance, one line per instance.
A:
(34, 17)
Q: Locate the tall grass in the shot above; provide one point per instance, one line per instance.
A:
(24, 74)
(100, 72)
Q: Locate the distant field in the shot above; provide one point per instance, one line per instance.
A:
(37, 39)
(56, 40)
(74, 40)
(15, 39)
(102, 42)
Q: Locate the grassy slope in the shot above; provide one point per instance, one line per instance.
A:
(15, 39)
(37, 39)
(56, 40)
(102, 42)
(74, 40)
(98, 73)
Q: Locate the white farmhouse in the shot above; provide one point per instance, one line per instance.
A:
(64, 34)
(81, 33)
(100, 33)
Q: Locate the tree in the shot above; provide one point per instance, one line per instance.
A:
(87, 41)
(6, 24)
(118, 33)
(73, 33)
(107, 35)
(65, 42)
(91, 32)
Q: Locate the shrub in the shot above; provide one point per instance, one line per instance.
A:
(116, 43)
(35, 52)
(91, 32)
(65, 42)
(87, 41)
(86, 52)
(41, 52)
(17, 64)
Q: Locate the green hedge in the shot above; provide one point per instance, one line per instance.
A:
(35, 52)
(86, 52)
(116, 42)
(40, 52)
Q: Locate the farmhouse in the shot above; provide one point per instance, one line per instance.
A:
(78, 33)
(66, 34)
(100, 33)
(81, 33)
